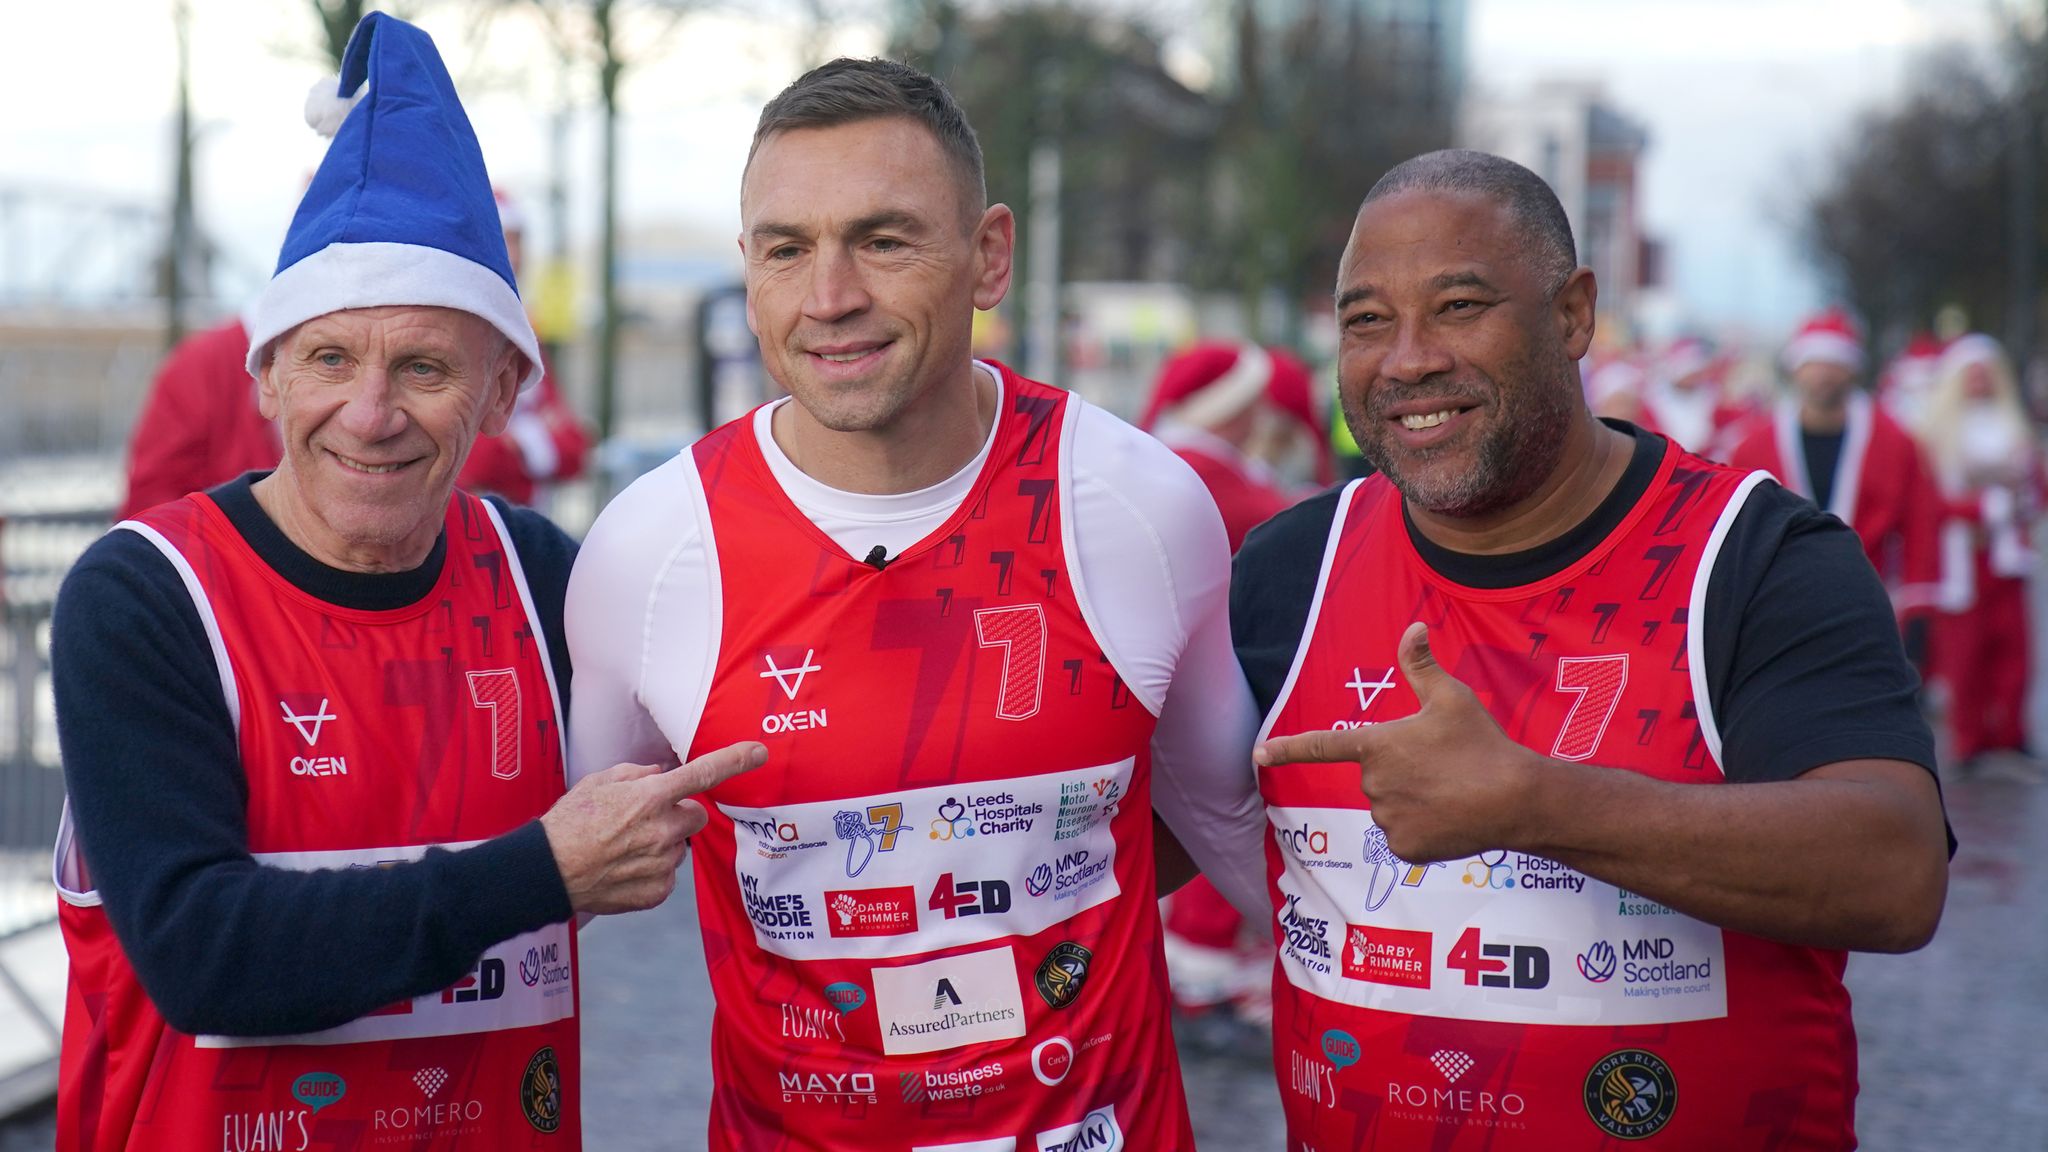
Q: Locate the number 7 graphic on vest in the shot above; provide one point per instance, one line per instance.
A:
(1019, 631)
(497, 692)
(1598, 681)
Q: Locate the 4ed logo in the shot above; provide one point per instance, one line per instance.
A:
(866, 834)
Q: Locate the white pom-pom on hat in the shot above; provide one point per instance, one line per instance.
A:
(325, 111)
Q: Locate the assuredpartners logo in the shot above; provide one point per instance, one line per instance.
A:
(949, 1002)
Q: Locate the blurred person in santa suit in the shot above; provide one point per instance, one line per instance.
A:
(1686, 402)
(1982, 448)
(1829, 442)
(1231, 411)
(1904, 384)
(1614, 391)
(199, 425)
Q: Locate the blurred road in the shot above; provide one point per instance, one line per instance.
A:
(1951, 1055)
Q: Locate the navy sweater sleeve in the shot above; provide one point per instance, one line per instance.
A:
(222, 944)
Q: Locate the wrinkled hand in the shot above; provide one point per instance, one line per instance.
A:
(1445, 782)
(619, 835)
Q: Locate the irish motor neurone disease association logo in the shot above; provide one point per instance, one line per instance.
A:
(1631, 1094)
(540, 1091)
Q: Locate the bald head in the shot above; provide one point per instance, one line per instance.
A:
(1538, 220)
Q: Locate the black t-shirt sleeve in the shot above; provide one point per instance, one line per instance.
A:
(152, 771)
(1804, 662)
(1272, 584)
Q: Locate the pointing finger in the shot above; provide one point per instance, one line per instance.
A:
(711, 769)
(1313, 748)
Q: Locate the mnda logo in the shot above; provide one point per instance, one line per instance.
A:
(1631, 1094)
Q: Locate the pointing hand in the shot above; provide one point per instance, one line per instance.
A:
(1445, 782)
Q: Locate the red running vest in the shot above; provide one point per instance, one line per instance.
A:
(930, 918)
(366, 738)
(1505, 1001)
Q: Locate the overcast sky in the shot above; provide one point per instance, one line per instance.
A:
(1743, 100)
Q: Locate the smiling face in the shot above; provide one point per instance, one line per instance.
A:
(378, 408)
(1457, 367)
(864, 265)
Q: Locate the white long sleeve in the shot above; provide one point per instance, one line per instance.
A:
(643, 621)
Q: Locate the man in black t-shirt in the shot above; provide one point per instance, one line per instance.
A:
(1581, 696)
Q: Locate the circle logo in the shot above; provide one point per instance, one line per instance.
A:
(1052, 1060)
(540, 1092)
(1631, 1094)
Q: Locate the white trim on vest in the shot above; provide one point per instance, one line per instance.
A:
(1696, 616)
(67, 867)
(1315, 607)
(540, 635)
(698, 505)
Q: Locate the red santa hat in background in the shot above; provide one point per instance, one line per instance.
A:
(1209, 384)
(1832, 337)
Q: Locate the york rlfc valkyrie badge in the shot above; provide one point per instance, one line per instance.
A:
(540, 1092)
(1062, 973)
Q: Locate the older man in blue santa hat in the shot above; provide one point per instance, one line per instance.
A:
(318, 865)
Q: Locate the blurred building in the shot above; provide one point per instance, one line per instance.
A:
(1591, 153)
(1420, 41)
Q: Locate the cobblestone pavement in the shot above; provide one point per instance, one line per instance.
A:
(1950, 1049)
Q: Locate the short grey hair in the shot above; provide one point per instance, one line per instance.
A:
(1539, 219)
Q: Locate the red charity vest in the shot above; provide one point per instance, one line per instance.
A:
(1505, 1001)
(930, 918)
(366, 738)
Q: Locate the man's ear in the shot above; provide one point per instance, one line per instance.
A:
(1573, 306)
(509, 370)
(995, 242)
(267, 400)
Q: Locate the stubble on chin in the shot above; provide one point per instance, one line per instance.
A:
(1516, 446)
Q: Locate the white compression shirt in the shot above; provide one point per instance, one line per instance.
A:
(1152, 553)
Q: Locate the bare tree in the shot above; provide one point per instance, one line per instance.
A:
(1926, 205)
(592, 32)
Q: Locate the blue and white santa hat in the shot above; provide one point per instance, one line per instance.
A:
(400, 210)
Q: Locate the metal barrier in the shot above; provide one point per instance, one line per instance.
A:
(36, 549)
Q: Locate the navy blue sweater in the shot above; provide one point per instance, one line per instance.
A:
(152, 768)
